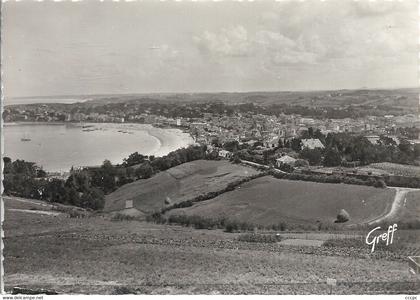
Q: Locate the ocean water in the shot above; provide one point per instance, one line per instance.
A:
(58, 147)
(29, 100)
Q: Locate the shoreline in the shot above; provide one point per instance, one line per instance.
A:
(162, 142)
(167, 139)
(170, 139)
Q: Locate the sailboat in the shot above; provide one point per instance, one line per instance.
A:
(25, 138)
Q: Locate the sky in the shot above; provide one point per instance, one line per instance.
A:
(91, 47)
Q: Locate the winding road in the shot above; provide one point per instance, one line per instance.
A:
(399, 201)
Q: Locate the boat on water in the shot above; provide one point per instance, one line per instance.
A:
(25, 138)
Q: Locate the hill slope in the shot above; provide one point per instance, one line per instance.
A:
(267, 201)
(410, 208)
(177, 184)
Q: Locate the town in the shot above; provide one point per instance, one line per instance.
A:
(266, 133)
(210, 148)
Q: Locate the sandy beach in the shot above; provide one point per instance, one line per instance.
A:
(57, 147)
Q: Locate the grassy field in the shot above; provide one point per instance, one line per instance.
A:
(95, 255)
(177, 184)
(267, 200)
(410, 208)
(391, 168)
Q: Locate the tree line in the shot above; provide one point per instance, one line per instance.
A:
(87, 187)
(345, 149)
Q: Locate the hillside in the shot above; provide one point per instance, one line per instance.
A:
(410, 208)
(403, 98)
(392, 168)
(267, 201)
(95, 255)
(177, 184)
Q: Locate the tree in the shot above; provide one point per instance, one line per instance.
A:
(280, 144)
(231, 146)
(25, 168)
(332, 158)
(79, 180)
(133, 159)
(144, 171)
(107, 165)
(235, 158)
(40, 173)
(55, 191)
(296, 144)
(301, 163)
(416, 151)
(216, 142)
(106, 177)
(319, 135)
(404, 146)
(310, 132)
(93, 198)
(379, 184)
(286, 168)
(314, 156)
(343, 216)
(7, 165)
(386, 141)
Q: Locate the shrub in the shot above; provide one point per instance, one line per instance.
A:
(259, 238)
(231, 227)
(75, 213)
(156, 217)
(345, 243)
(343, 216)
(123, 290)
(380, 184)
(360, 243)
(122, 217)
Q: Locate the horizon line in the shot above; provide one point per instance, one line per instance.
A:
(211, 92)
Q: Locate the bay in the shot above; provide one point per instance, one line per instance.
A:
(58, 147)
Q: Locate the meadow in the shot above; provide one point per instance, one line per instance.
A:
(392, 168)
(178, 184)
(95, 255)
(267, 200)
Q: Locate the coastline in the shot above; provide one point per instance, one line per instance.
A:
(170, 139)
(35, 123)
(166, 139)
(155, 134)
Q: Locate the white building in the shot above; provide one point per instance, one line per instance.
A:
(312, 144)
(225, 154)
(285, 160)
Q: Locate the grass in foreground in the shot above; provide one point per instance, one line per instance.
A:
(96, 255)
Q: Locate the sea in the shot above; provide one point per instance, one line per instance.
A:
(58, 147)
(37, 100)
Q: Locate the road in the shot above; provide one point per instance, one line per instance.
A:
(399, 201)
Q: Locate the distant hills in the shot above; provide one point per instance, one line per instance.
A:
(403, 97)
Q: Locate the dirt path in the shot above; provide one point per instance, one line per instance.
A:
(399, 200)
(302, 242)
(40, 212)
(30, 201)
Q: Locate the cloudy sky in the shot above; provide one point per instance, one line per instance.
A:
(90, 47)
